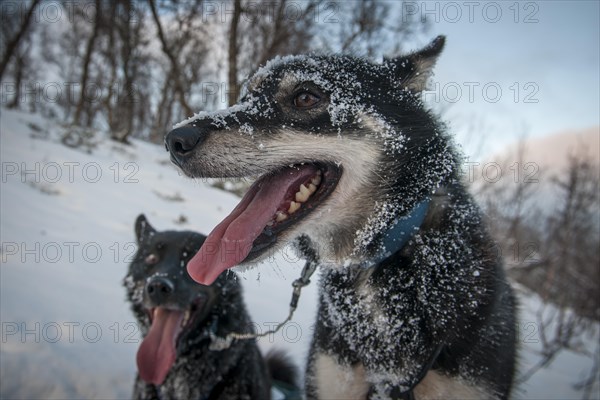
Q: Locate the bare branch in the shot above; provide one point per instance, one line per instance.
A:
(86, 63)
(14, 42)
(232, 76)
(174, 64)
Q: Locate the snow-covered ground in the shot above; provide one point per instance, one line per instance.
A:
(66, 226)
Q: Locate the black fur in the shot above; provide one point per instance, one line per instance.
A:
(282, 368)
(441, 304)
(443, 295)
(198, 373)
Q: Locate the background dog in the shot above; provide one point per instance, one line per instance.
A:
(414, 302)
(176, 316)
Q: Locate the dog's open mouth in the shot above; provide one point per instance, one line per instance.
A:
(158, 351)
(273, 204)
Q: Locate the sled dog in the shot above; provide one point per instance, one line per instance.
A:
(177, 316)
(414, 302)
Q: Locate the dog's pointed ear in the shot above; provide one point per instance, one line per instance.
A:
(413, 70)
(143, 229)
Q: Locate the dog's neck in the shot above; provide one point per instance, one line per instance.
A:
(402, 230)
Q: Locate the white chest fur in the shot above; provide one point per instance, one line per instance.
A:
(336, 381)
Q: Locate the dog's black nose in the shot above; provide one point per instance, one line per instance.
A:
(181, 141)
(159, 290)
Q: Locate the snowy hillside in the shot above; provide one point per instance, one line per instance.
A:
(66, 225)
(67, 237)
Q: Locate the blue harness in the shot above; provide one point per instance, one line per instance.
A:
(402, 230)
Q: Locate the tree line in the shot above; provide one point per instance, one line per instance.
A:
(134, 68)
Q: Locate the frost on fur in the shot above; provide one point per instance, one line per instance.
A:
(373, 153)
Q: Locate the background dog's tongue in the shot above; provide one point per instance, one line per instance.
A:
(157, 352)
(231, 241)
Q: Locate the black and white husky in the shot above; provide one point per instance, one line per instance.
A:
(413, 299)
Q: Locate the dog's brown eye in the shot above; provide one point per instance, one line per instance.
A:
(151, 259)
(306, 100)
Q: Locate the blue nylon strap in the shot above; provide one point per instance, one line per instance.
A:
(402, 231)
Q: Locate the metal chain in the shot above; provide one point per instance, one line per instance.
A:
(223, 343)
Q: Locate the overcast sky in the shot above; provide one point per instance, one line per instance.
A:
(508, 73)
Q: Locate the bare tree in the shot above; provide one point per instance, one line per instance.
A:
(567, 278)
(183, 35)
(91, 40)
(367, 22)
(17, 30)
(555, 252)
(21, 68)
(572, 241)
(144, 92)
(232, 74)
(13, 32)
(371, 28)
(261, 30)
(132, 87)
(167, 49)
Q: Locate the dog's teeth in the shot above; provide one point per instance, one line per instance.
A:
(186, 317)
(301, 198)
(303, 194)
(316, 180)
(312, 188)
(280, 216)
(293, 207)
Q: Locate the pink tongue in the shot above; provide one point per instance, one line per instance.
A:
(231, 241)
(157, 352)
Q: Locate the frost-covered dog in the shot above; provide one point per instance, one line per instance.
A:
(177, 316)
(413, 301)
